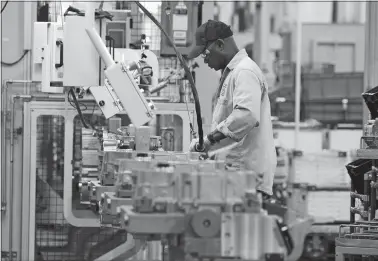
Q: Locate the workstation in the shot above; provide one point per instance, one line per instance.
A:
(96, 150)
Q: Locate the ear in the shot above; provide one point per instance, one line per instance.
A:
(220, 44)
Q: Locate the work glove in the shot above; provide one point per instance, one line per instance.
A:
(194, 145)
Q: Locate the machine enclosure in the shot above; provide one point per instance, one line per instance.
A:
(81, 60)
(47, 61)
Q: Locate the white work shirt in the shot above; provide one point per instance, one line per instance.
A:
(242, 113)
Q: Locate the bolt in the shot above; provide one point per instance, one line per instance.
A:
(206, 223)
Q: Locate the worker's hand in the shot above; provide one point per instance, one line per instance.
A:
(194, 145)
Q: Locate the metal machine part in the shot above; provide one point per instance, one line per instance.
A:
(124, 185)
(168, 138)
(48, 56)
(101, 164)
(360, 238)
(123, 84)
(97, 192)
(74, 213)
(186, 163)
(168, 200)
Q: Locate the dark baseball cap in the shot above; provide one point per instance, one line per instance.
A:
(210, 31)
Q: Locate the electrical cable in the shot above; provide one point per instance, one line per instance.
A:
(71, 91)
(70, 100)
(5, 5)
(76, 105)
(188, 73)
(17, 61)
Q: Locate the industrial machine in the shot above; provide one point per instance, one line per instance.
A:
(105, 175)
(359, 238)
(163, 200)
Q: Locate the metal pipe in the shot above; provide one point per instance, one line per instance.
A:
(14, 97)
(3, 130)
(4, 110)
(352, 205)
(100, 47)
(373, 192)
(11, 184)
(298, 76)
(159, 87)
(366, 192)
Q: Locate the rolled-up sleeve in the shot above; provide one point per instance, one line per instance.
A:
(246, 107)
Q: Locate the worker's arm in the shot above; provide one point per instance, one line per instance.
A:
(246, 112)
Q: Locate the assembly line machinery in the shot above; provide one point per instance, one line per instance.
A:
(109, 182)
(360, 238)
(105, 178)
(163, 200)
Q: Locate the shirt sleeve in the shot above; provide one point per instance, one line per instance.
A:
(246, 107)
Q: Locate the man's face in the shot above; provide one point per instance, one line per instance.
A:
(213, 55)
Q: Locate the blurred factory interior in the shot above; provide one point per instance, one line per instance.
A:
(74, 138)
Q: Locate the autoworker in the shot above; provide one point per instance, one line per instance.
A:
(242, 111)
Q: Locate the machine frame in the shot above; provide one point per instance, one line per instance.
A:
(34, 109)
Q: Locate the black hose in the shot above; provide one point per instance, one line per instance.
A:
(71, 91)
(187, 71)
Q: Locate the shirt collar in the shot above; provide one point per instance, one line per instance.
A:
(237, 58)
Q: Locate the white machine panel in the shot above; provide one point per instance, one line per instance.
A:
(39, 43)
(47, 65)
(81, 60)
(106, 100)
(129, 95)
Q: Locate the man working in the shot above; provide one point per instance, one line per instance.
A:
(242, 111)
